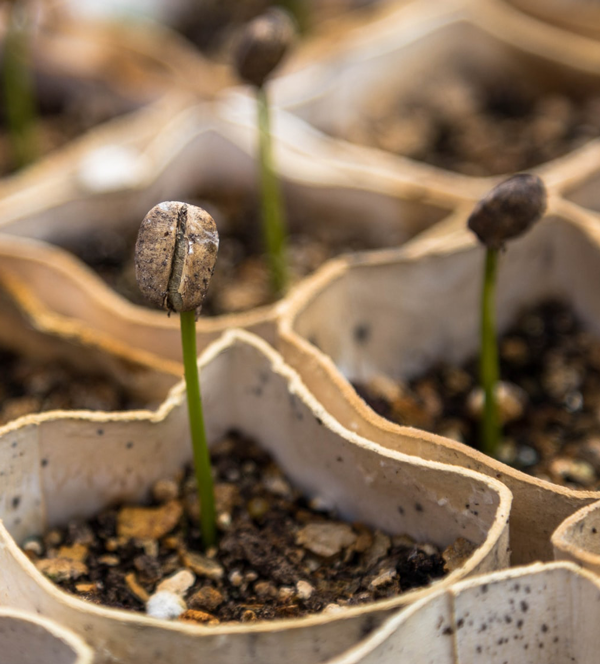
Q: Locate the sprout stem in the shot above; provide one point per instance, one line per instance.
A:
(199, 445)
(274, 230)
(19, 97)
(489, 370)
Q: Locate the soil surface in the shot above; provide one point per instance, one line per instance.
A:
(477, 125)
(278, 556)
(32, 386)
(550, 400)
(241, 278)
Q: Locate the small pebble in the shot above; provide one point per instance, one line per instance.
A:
(136, 588)
(61, 569)
(202, 565)
(457, 554)
(165, 490)
(304, 590)
(265, 589)
(384, 579)
(34, 546)
(165, 605)
(326, 539)
(178, 583)
(332, 610)
(236, 578)
(512, 401)
(206, 598)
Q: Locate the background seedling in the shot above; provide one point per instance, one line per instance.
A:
(508, 210)
(18, 86)
(262, 46)
(175, 257)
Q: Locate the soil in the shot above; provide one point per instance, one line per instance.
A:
(278, 555)
(241, 278)
(478, 125)
(550, 400)
(34, 386)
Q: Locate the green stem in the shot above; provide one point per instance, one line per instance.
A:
(199, 445)
(19, 97)
(489, 371)
(274, 228)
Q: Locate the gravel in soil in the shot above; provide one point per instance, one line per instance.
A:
(241, 278)
(278, 556)
(478, 125)
(33, 386)
(549, 399)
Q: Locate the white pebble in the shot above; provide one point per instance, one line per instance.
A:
(177, 583)
(165, 605)
(304, 590)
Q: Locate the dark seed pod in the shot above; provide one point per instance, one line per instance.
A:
(263, 44)
(508, 210)
(175, 255)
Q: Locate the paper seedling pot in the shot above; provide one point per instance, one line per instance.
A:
(540, 613)
(27, 328)
(576, 539)
(418, 40)
(201, 149)
(71, 467)
(26, 638)
(398, 312)
(579, 16)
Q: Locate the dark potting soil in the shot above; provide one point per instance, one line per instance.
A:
(278, 555)
(241, 278)
(478, 125)
(550, 401)
(30, 386)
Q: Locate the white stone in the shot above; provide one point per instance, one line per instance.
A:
(304, 590)
(165, 605)
(178, 583)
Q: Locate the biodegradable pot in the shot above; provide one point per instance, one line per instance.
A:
(29, 639)
(27, 328)
(418, 40)
(576, 539)
(398, 312)
(539, 613)
(579, 16)
(72, 467)
(206, 148)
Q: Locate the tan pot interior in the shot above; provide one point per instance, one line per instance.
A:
(421, 40)
(25, 638)
(534, 614)
(66, 467)
(404, 310)
(576, 539)
(27, 328)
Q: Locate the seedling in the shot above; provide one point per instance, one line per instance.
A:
(507, 211)
(262, 46)
(175, 257)
(17, 81)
